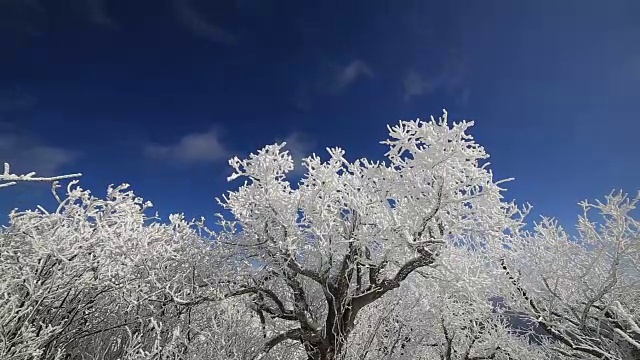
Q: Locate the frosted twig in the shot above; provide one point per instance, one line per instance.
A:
(12, 179)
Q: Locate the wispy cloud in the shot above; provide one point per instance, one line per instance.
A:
(330, 80)
(349, 74)
(23, 150)
(27, 153)
(191, 148)
(449, 78)
(199, 25)
(415, 85)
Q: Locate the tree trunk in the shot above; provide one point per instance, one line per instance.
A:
(324, 350)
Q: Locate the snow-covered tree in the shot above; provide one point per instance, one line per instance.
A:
(359, 260)
(584, 291)
(444, 313)
(350, 232)
(93, 280)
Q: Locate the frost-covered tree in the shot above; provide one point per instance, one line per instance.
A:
(584, 291)
(93, 280)
(359, 260)
(319, 254)
(442, 314)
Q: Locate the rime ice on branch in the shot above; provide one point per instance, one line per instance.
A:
(12, 179)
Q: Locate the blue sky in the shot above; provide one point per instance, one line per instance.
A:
(160, 93)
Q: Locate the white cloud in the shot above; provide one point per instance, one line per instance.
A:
(199, 25)
(349, 74)
(414, 85)
(191, 148)
(330, 80)
(451, 78)
(26, 153)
